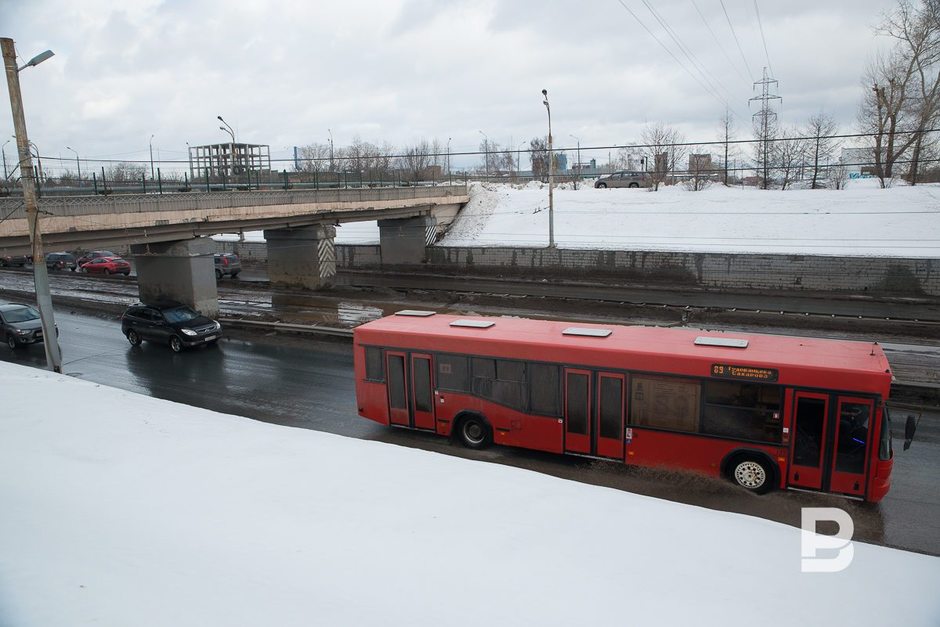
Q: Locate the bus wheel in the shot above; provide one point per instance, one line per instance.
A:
(752, 474)
(474, 432)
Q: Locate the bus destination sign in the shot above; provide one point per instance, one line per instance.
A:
(750, 373)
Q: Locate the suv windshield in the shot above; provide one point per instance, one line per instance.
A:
(21, 315)
(179, 314)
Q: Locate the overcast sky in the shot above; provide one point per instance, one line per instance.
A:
(282, 73)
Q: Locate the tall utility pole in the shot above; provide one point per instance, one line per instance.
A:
(152, 175)
(40, 273)
(551, 175)
(765, 121)
(330, 131)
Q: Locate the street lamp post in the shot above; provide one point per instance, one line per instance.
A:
(78, 164)
(31, 202)
(152, 175)
(486, 153)
(228, 129)
(6, 174)
(551, 175)
(580, 165)
(332, 167)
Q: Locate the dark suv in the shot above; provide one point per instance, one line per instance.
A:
(227, 264)
(61, 261)
(169, 323)
(20, 325)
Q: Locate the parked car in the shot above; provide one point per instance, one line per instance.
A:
(94, 254)
(107, 265)
(169, 323)
(14, 260)
(623, 179)
(227, 264)
(61, 261)
(20, 324)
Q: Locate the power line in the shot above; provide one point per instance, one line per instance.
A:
(693, 60)
(736, 41)
(710, 91)
(761, 27)
(718, 42)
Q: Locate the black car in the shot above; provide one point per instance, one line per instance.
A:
(61, 261)
(170, 323)
(20, 325)
(14, 260)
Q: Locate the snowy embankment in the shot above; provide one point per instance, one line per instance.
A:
(862, 220)
(120, 509)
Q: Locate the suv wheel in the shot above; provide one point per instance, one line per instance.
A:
(634, 185)
(12, 343)
(176, 344)
(601, 185)
(133, 338)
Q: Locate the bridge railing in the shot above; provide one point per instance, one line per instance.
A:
(12, 207)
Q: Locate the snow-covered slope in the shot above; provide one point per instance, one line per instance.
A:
(118, 509)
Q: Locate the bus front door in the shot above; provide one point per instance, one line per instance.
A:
(851, 445)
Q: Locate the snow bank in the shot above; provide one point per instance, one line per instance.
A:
(862, 220)
(119, 509)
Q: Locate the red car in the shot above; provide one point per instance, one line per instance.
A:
(107, 265)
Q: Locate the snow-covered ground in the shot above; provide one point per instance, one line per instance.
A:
(862, 220)
(118, 509)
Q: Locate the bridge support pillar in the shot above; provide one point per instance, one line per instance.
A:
(302, 257)
(405, 240)
(183, 271)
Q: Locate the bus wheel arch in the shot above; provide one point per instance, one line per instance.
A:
(753, 470)
(473, 430)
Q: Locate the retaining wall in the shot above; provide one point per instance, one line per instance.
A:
(865, 275)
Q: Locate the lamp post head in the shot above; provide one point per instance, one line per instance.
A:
(545, 93)
(39, 58)
(220, 118)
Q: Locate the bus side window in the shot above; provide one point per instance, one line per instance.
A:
(453, 373)
(374, 366)
(545, 389)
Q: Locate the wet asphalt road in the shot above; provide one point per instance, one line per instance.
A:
(299, 382)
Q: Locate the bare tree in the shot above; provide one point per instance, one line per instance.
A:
(726, 134)
(314, 158)
(538, 153)
(788, 154)
(415, 160)
(916, 30)
(124, 172)
(839, 176)
(700, 172)
(662, 151)
(820, 128)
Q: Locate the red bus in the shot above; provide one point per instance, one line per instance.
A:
(765, 411)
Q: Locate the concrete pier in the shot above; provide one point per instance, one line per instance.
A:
(302, 257)
(183, 271)
(405, 240)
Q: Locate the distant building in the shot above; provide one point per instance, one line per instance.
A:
(858, 161)
(228, 159)
(700, 163)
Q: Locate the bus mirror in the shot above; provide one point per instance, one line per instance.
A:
(909, 428)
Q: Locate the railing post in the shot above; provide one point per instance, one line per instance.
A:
(159, 181)
(316, 181)
(285, 180)
(94, 180)
(208, 188)
(224, 180)
(143, 180)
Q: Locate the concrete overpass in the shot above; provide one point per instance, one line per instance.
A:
(167, 233)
